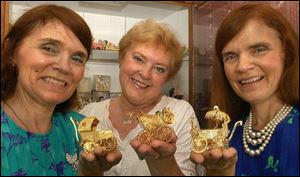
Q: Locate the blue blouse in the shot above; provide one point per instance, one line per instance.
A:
(53, 154)
(281, 155)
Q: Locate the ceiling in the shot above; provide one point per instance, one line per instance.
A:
(133, 9)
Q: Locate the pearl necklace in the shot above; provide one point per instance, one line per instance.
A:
(261, 138)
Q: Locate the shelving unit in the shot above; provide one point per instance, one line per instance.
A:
(111, 20)
(104, 56)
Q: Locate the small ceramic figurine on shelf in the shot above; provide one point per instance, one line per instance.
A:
(90, 137)
(203, 140)
(98, 45)
(110, 46)
(155, 126)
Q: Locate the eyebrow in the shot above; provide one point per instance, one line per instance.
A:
(259, 44)
(51, 40)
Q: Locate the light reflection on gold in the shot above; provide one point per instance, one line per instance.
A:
(155, 126)
(91, 138)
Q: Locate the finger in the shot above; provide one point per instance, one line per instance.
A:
(88, 156)
(197, 158)
(100, 151)
(135, 143)
(162, 148)
(114, 157)
(173, 139)
(146, 151)
(212, 157)
(230, 153)
(229, 158)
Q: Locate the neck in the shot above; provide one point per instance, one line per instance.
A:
(29, 116)
(127, 106)
(263, 113)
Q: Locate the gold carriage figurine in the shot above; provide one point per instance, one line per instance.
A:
(205, 139)
(90, 137)
(155, 126)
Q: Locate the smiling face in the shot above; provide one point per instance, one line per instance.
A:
(254, 62)
(143, 72)
(51, 63)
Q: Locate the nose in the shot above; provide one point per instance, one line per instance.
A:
(146, 72)
(62, 64)
(244, 63)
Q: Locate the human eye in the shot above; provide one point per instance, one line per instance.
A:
(260, 50)
(49, 49)
(160, 69)
(138, 58)
(229, 57)
(78, 58)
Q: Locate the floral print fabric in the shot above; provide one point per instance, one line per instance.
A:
(52, 154)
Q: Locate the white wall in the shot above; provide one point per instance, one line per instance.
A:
(179, 23)
(112, 28)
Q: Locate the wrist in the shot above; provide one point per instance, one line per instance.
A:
(229, 171)
(89, 169)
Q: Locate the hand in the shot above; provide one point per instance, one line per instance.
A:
(217, 161)
(156, 150)
(98, 161)
(159, 156)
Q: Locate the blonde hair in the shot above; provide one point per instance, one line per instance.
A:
(150, 31)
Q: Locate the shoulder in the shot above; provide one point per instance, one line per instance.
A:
(174, 103)
(295, 111)
(96, 107)
(67, 117)
(291, 122)
(293, 117)
(182, 110)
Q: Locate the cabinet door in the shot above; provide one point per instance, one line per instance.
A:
(4, 18)
(207, 18)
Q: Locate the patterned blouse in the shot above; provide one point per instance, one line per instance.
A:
(52, 154)
(281, 155)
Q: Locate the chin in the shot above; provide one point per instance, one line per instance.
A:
(56, 99)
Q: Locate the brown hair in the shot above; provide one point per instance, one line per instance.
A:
(33, 18)
(222, 93)
(152, 31)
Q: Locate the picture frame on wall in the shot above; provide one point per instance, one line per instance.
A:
(101, 83)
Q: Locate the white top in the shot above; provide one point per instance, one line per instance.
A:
(130, 165)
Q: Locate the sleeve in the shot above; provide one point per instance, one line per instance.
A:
(76, 116)
(183, 112)
(89, 110)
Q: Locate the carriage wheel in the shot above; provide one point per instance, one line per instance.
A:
(163, 134)
(88, 146)
(110, 144)
(145, 136)
(199, 144)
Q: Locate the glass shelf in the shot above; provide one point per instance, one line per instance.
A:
(104, 56)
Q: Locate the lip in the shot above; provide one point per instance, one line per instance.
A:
(250, 80)
(139, 84)
(55, 81)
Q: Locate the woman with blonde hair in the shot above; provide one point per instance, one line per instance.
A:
(149, 56)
